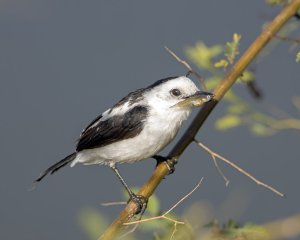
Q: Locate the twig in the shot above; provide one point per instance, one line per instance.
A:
(164, 216)
(174, 231)
(186, 196)
(108, 204)
(288, 39)
(190, 70)
(213, 157)
(258, 182)
(153, 218)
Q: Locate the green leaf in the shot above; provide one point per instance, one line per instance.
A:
(153, 206)
(227, 122)
(212, 82)
(237, 108)
(92, 222)
(231, 96)
(275, 2)
(261, 130)
(202, 55)
(247, 76)
(231, 224)
(232, 48)
(221, 64)
(253, 232)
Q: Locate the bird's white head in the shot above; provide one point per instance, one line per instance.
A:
(178, 93)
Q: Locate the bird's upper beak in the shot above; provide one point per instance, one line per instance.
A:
(196, 100)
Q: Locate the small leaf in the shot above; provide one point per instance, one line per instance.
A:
(275, 2)
(92, 222)
(237, 108)
(261, 130)
(253, 232)
(221, 64)
(231, 224)
(231, 96)
(202, 55)
(153, 206)
(228, 121)
(247, 76)
(212, 82)
(232, 48)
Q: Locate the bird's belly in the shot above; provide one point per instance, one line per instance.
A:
(156, 134)
(148, 143)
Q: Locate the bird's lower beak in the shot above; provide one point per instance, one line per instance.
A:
(196, 100)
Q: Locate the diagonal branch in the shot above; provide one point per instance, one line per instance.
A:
(161, 171)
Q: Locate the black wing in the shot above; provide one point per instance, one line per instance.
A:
(119, 127)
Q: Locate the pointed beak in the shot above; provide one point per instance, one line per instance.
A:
(196, 100)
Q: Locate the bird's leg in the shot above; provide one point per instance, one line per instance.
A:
(141, 201)
(170, 163)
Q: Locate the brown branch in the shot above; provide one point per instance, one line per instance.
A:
(161, 171)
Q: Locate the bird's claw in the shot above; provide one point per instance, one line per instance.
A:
(170, 163)
(140, 201)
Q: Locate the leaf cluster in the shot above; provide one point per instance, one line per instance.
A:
(217, 58)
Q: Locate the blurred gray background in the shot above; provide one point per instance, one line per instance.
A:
(64, 62)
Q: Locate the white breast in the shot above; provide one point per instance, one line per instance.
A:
(159, 130)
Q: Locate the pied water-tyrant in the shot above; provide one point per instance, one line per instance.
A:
(137, 127)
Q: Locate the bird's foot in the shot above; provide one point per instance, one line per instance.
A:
(170, 163)
(140, 201)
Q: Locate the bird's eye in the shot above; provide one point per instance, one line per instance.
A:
(175, 92)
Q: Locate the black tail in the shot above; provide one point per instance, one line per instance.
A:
(57, 166)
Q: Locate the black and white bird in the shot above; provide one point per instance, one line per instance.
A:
(137, 127)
